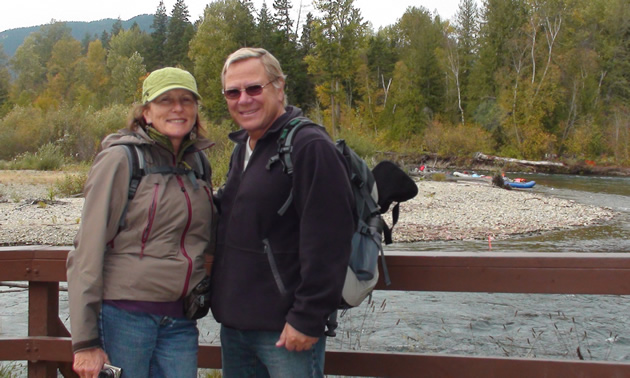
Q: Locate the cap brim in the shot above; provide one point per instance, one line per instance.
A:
(166, 89)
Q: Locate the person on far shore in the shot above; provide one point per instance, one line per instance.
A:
(136, 260)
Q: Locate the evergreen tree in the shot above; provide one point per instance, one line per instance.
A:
(157, 54)
(105, 38)
(282, 19)
(265, 28)
(117, 27)
(306, 39)
(180, 32)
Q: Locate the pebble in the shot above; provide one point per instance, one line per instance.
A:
(440, 211)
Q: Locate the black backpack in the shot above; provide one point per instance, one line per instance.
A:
(362, 274)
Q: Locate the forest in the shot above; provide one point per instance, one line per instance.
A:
(527, 79)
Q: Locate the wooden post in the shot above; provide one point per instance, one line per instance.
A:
(43, 312)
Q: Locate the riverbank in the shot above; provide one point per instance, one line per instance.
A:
(440, 211)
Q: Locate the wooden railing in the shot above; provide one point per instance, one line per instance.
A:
(48, 347)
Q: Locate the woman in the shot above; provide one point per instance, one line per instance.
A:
(136, 260)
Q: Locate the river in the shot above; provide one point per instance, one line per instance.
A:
(510, 325)
(480, 324)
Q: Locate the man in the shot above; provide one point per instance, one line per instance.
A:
(277, 278)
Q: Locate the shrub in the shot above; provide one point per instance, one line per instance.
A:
(48, 158)
(22, 130)
(457, 140)
(219, 155)
(71, 184)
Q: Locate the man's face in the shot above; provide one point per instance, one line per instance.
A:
(258, 112)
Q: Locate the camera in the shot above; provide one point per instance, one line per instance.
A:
(110, 371)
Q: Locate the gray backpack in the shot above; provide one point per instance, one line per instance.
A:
(362, 274)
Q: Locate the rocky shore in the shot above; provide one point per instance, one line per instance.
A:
(440, 211)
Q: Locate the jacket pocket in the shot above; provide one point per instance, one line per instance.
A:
(274, 267)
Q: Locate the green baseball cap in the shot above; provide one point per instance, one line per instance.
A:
(165, 79)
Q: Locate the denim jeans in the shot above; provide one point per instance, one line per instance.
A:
(146, 345)
(255, 354)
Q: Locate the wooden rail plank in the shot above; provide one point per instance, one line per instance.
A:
(360, 363)
(48, 348)
(550, 273)
(36, 348)
(374, 364)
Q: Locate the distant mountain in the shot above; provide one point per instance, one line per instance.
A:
(13, 38)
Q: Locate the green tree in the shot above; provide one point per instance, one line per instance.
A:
(5, 82)
(282, 19)
(227, 25)
(500, 20)
(340, 36)
(157, 53)
(117, 27)
(417, 90)
(264, 27)
(93, 77)
(29, 63)
(467, 32)
(61, 75)
(180, 32)
(105, 38)
(126, 64)
(306, 39)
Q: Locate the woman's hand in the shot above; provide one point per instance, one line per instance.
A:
(89, 362)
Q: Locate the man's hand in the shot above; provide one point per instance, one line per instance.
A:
(89, 362)
(294, 340)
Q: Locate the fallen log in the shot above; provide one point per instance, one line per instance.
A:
(480, 156)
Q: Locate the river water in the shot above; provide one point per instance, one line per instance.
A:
(511, 325)
(480, 324)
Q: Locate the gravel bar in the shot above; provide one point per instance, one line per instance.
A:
(440, 211)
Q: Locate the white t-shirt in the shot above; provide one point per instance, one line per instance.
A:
(248, 154)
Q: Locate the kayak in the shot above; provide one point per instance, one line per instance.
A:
(521, 185)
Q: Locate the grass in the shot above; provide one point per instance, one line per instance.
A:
(30, 177)
(12, 369)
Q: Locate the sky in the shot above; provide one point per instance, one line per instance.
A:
(24, 13)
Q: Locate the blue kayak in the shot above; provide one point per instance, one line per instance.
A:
(521, 185)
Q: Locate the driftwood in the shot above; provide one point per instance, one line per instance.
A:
(483, 157)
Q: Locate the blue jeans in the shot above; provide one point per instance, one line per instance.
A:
(255, 354)
(146, 345)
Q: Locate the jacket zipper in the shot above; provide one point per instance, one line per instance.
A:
(152, 212)
(182, 242)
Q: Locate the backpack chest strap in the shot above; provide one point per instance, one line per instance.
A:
(167, 170)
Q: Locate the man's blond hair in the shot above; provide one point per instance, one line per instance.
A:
(271, 64)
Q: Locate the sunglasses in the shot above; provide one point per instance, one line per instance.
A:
(252, 90)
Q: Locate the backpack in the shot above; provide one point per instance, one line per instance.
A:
(362, 273)
(138, 169)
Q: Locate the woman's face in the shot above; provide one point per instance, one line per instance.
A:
(173, 114)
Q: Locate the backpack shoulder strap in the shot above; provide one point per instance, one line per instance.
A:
(285, 148)
(285, 144)
(135, 158)
(204, 166)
